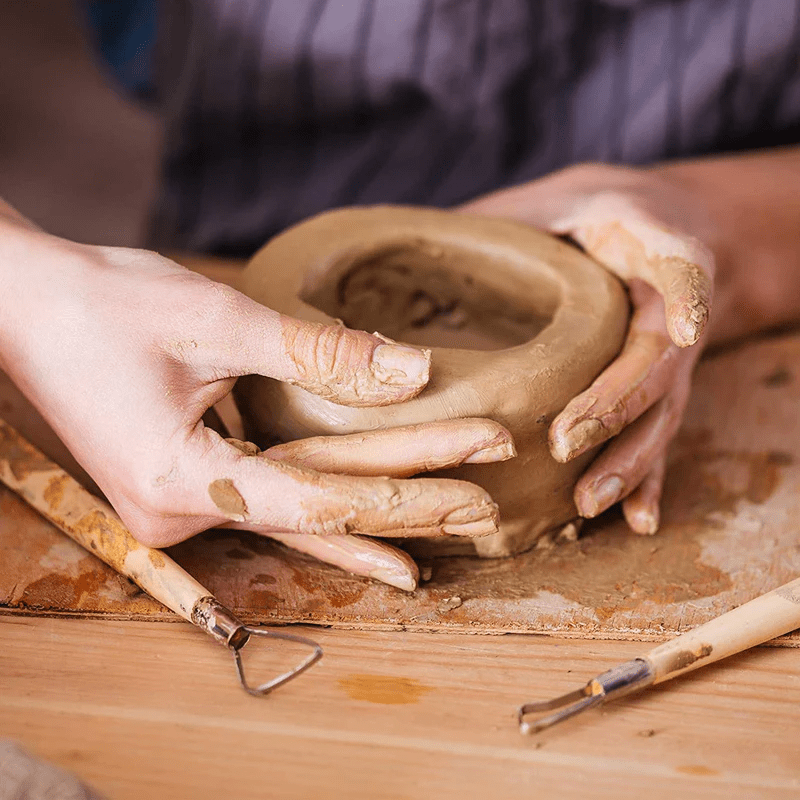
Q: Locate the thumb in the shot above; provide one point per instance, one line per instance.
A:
(344, 366)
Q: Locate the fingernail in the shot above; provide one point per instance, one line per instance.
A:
(495, 452)
(248, 448)
(396, 365)
(601, 496)
(683, 332)
(400, 580)
(642, 521)
(472, 521)
(686, 322)
(576, 439)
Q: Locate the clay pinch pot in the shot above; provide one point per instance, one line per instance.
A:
(519, 322)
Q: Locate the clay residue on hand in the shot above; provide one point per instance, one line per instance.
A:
(693, 299)
(395, 508)
(227, 499)
(330, 362)
(248, 448)
(589, 420)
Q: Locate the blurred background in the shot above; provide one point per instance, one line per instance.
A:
(76, 155)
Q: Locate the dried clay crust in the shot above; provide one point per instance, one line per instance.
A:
(519, 322)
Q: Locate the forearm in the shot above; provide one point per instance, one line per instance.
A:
(753, 203)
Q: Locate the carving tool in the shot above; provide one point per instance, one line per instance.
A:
(93, 524)
(770, 615)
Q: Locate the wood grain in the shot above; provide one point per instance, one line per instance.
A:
(730, 533)
(152, 710)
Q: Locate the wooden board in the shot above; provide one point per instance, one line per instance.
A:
(142, 710)
(731, 531)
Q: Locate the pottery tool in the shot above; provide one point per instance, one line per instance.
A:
(772, 614)
(94, 525)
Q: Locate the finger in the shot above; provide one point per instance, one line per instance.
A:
(642, 373)
(687, 291)
(641, 507)
(614, 229)
(401, 452)
(270, 496)
(623, 465)
(345, 366)
(359, 556)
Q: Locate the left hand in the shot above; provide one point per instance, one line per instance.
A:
(647, 230)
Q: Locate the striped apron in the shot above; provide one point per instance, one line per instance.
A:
(279, 109)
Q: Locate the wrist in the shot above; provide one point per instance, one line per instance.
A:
(33, 276)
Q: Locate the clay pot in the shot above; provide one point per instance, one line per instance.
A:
(519, 323)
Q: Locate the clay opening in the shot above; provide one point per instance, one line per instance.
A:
(426, 293)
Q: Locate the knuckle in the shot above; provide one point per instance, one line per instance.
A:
(151, 492)
(323, 352)
(217, 303)
(156, 514)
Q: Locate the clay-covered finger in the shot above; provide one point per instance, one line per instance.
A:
(352, 368)
(687, 292)
(623, 465)
(358, 555)
(643, 372)
(344, 366)
(619, 233)
(642, 506)
(264, 495)
(402, 451)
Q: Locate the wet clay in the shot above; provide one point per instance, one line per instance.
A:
(519, 323)
(227, 499)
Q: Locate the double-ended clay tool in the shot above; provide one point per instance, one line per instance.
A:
(772, 614)
(93, 524)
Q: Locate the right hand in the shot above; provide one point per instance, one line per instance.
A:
(123, 351)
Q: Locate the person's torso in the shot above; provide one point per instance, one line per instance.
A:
(280, 109)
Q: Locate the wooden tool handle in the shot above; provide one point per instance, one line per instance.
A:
(93, 524)
(770, 615)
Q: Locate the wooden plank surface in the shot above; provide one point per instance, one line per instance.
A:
(731, 532)
(148, 710)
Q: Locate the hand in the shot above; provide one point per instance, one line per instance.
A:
(123, 351)
(647, 230)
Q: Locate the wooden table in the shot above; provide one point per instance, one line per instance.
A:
(152, 710)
